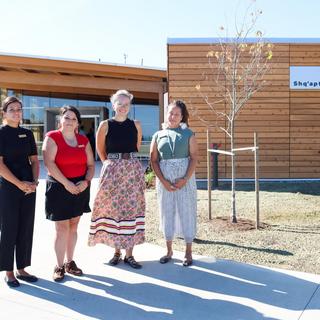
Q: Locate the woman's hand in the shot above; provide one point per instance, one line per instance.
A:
(26, 186)
(82, 185)
(72, 188)
(180, 183)
(169, 186)
(33, 186)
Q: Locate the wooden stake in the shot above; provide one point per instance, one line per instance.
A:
(256, 176)
(209, 172)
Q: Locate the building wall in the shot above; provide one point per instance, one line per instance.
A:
(304, 118)
(287, 121)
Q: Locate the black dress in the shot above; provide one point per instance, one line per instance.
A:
(16, 208)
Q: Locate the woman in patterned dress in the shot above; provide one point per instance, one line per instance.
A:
(119, 207)
(174, 158)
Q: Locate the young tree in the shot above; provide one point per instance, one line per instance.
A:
(237, 66)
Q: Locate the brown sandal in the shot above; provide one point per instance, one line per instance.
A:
(115, 259)
(58, 273)
(72, 268)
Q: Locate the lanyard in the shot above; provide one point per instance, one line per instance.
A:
(173, 144)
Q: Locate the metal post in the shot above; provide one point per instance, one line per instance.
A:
(256, 176)
(209, 173)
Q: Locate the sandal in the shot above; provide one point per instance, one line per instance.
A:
(132, 262)
(72, 268)
(115, 259)
(165, 259)
(187, 262)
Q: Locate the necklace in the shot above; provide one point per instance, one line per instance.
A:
(171, 145)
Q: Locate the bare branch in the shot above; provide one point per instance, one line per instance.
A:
(238, 69)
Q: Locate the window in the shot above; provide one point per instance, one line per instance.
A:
(60, 102)
(149, 117)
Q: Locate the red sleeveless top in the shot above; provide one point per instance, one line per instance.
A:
(72, 161)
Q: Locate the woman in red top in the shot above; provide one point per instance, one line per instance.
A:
(70, 164)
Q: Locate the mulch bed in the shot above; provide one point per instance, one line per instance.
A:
(225, 224)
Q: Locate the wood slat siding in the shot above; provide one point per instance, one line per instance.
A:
(304, 118)
(287, 121)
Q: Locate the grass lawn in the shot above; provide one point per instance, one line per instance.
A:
(290, 233)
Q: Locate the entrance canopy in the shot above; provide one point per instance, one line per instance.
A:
(45, 84)
(82, 77)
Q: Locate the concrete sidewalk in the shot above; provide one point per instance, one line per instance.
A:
(210, 289)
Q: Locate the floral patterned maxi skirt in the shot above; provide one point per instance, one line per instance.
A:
(119, 207)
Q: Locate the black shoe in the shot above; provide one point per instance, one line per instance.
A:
(132, 262)
(13, 283)
(165, 259)
(115, 259)
(27, 278)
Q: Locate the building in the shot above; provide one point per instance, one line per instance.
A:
(46, 84)
(285, 112)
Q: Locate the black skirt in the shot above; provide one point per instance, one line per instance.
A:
(61, 204)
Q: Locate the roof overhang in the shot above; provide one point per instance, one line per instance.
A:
(60, 75)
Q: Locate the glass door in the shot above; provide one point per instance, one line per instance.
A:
(89, 127)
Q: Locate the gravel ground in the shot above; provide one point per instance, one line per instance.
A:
(289, 236)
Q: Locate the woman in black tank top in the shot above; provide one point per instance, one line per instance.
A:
(122, 137)
(119, 207)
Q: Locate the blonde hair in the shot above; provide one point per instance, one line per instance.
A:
(122, 92)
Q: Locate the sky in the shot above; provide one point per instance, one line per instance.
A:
(107, 31)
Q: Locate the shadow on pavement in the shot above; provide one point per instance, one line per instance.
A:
(230, 244)
(122, 300)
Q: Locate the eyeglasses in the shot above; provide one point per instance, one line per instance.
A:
(14, 110)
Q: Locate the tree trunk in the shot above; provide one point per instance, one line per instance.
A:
(233, 177)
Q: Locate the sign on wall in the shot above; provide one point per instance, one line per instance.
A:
(305, 78)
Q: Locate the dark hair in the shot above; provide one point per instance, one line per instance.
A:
(184, 111)
(65, 109)
(7, 101)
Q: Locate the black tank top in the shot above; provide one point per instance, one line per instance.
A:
(121, 137)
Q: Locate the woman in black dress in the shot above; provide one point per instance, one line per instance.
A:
(19, 172)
